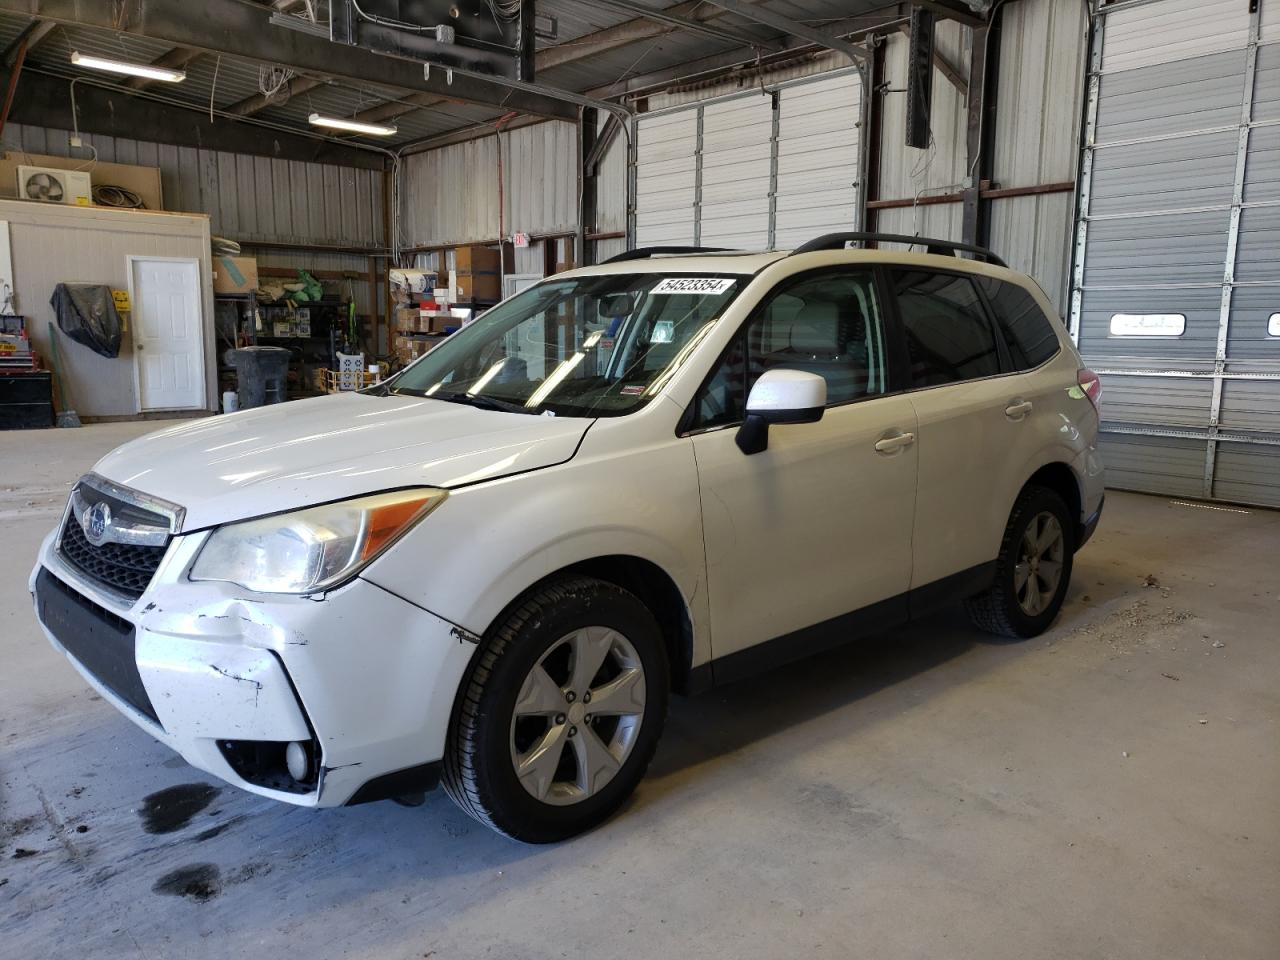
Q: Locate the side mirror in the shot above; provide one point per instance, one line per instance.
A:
(780, 396)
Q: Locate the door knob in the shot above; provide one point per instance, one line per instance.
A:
(1018, 409)
(892, 443)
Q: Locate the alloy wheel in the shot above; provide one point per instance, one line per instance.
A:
(577, 716)
(1039, 568)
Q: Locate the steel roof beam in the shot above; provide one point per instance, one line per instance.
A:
(174, 59)
(32, 34)
(728, 34)
(244, 30)
(787, 25)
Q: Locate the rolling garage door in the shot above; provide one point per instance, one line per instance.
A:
(754, 171)
(1176, 285)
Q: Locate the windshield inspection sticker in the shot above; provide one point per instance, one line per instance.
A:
(698, 286)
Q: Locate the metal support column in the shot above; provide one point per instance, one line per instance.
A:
(984, 57)
(588, 186)
(1233, 240)
(1084, 179)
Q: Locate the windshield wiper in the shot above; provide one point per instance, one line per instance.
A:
(481, 401)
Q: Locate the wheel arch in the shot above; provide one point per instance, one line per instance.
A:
(655, 588)
(1061, 479)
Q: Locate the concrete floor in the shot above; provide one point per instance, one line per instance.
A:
(1111, 789)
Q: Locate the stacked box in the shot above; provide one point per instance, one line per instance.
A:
(478, 271)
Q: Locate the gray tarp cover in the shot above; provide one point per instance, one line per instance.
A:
(87, 314)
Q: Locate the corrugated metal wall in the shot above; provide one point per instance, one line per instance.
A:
(1040, 73)
(246, 197)
(1181, 218)
(450, 195)
(907, 173)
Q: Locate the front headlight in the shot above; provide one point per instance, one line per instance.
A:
(312, 549)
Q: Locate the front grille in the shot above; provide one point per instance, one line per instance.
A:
(101, 641)
(124, 568)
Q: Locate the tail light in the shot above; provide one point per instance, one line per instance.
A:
(1092, 387)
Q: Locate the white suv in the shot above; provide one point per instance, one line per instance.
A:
(653, 475)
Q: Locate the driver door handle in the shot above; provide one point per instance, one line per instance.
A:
(894, 442)
(1018, 409)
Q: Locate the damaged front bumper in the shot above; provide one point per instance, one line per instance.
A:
(361, 678)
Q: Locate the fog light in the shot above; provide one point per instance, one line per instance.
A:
(298, 760)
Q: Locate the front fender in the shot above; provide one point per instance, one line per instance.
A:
(490, 542)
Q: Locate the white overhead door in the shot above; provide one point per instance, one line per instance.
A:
(819, 158)
(1177, 270)
(737, 167)
(666, 179)
(767, 169)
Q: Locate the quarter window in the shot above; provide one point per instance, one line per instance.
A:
(1027, 331)
(947, 332)
(827, 324)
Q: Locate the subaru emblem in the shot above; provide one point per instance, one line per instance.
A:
(96, 523)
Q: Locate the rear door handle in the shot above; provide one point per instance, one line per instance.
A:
(894, 442)
(1018, 409)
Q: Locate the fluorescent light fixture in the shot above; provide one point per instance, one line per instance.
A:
(147, 70)
(355, 126)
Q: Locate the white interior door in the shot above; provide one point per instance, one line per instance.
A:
(168, 337)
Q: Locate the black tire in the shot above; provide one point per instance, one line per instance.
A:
(997, 609)
(478, 770)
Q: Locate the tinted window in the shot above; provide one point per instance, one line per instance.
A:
(948, 335)
(827, 324)
(1026, 330)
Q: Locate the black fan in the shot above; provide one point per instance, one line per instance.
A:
(44, 186)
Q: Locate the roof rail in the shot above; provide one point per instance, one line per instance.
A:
(643, 253)
(837, 241)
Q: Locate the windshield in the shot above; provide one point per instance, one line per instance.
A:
(584, 347)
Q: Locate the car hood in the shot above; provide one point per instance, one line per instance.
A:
(291, 455)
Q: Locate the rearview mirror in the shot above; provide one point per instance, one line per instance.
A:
(780, 396)
(616, 305)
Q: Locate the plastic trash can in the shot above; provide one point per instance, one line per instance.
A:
(260, 375)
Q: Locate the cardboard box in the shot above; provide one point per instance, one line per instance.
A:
(477, 259)
(479, 286)
(235, 274)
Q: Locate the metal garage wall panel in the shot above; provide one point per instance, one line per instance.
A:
(540, 188)
(1246, 473)
(1177, 173)
(908, 172)
(1166, 401)
(715, 171)
(1247, 338)
(1171, 97)
(1165, 465)
(448, 195)
(1251, 406)
(1269, 28)
(1163, 249)
(1266, 83)
(611, 190)
(1262, 172)
(737, 161)
(1258, 252)
(247, 198)
(666, 177)
(819, 158)
(1038, 119)
(1201, 307)
(1032, 233)
(1170, 30)
(1180, 129)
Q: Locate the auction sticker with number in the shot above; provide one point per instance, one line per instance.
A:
(698, 286)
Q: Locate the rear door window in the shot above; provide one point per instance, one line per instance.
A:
(948, 335)
(1027, 331)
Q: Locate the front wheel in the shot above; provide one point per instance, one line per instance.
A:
(1033, 569)
(561, 712)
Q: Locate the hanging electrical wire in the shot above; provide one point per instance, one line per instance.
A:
(273, 81)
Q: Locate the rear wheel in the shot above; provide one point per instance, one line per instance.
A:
(1033, 570)
(561, 713)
